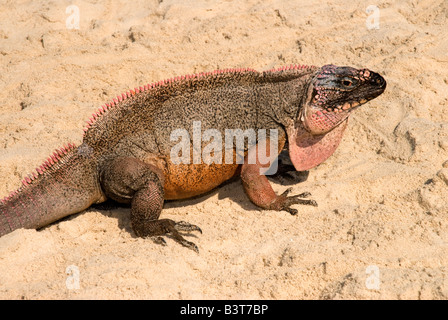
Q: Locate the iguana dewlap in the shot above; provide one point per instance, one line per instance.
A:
(126, 150)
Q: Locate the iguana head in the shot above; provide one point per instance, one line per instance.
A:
(334, 92)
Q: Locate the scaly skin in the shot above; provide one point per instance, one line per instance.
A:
(125, 154)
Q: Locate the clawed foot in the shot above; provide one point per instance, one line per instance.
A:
(173, 228)
(284, 202)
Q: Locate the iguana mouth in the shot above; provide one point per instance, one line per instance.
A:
(341, 106)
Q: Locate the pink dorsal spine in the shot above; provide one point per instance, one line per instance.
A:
(56, 157)
(50, 162)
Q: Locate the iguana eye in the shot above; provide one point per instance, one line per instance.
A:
(347, 83)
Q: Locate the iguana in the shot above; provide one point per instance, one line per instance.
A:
(125, 154)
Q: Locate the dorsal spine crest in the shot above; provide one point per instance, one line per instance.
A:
(51, 162)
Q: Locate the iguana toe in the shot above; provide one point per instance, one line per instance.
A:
(189, 245)
(173, 229)
(304, 195)
(185, 226)
(158, 240)
(283, 202)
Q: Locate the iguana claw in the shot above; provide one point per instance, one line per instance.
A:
(283, 202)
(185, 226)
(171, 227)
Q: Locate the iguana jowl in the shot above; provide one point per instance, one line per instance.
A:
(125, 153)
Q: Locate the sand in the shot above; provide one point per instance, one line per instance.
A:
(381, 228)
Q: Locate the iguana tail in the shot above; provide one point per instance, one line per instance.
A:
(66, 183)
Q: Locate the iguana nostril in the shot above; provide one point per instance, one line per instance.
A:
(377, 79)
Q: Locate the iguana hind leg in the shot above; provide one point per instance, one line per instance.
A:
(130, 180)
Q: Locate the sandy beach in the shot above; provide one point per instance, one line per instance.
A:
(381, 228)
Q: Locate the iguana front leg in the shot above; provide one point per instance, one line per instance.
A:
(129, 180)
(259, 189)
